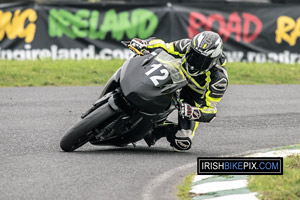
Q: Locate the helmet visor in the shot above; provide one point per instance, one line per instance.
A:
(198, 63)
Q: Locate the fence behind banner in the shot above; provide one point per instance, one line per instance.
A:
(253, 32)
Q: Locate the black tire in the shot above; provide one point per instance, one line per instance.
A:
(81, 132)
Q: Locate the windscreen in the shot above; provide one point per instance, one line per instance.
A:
(173, 66)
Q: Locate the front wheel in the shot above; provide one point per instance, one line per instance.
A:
(81, 132)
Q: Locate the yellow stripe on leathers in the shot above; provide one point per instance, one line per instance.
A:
(158, 43)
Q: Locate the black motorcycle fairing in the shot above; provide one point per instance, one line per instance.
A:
(112, 83)
(125, 130)
(128, 127)
(131, 129)
(145, 89)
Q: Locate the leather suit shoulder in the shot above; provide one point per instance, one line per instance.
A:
(182, 45)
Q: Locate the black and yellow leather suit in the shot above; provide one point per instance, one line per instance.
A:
(203, 91)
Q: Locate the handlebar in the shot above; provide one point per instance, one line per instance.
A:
(135, 50)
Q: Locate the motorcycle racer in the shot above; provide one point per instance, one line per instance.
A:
(203, 63)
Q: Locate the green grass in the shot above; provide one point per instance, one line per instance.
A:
(266, 73)
(184, 189)
(56, 73)
(278, 187)
(97, 72)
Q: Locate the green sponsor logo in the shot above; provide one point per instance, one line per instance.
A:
(84, 23)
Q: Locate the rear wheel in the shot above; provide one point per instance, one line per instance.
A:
(82, 132)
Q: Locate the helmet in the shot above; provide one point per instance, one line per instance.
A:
(204, 51)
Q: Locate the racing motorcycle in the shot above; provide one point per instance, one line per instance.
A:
(137, 98)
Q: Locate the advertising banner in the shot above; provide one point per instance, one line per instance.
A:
(250, 32)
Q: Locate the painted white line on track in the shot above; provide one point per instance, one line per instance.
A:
(218, 186)
(201, 177)
(158, 181)
(279, 153)
(250, 196)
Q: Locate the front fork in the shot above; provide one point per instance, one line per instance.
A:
(178, 102)
(118, 102)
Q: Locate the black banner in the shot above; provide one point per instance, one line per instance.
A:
(239, 166)
(251, 32)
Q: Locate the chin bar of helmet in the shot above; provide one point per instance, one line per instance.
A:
(195, 73)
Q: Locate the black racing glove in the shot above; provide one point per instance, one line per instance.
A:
(139, 44)
(189, 112)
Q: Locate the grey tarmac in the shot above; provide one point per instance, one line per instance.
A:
(33, 119)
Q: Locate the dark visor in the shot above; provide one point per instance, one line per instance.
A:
(197, 62)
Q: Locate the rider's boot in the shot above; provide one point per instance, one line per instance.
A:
(182, 139)
(163, 130)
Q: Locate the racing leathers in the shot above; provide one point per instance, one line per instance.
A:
(203, 92)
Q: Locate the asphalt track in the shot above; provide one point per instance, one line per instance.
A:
(32, 166)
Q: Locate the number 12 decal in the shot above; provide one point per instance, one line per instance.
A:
(155, 79)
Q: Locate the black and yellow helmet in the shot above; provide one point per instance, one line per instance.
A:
(204, 51)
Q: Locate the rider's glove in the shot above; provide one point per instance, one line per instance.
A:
(189, 112)
(138, 43)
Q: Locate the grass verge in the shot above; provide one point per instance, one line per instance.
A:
(97, 72)
(184, 189)
(56, 73)
(279, 187)
(266, 73)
